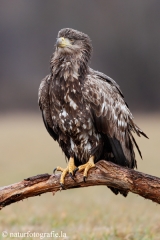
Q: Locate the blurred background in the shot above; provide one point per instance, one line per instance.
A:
(126, 43)
(125, 37)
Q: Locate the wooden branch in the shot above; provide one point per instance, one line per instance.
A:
(105, 173)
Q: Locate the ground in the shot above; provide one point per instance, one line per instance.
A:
(88, 213)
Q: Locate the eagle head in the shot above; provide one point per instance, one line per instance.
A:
(73, 42)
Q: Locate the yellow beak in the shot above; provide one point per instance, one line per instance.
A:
(63, 42)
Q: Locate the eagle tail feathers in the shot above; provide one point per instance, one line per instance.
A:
(120, 159)
(117, 191)
(118, 152)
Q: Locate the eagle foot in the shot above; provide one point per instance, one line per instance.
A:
(86, 167)
(69, 169)
(62, 186)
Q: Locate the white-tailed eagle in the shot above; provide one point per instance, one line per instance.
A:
(84, 110)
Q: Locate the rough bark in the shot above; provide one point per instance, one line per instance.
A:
(105, 173)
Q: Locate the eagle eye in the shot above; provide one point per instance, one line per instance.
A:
(71, 40)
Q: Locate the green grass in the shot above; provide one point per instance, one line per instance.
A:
(89, 213)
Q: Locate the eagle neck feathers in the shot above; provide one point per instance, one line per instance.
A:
(70, 66)
(67, 82)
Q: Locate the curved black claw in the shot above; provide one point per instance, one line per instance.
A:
(84, 178)
(72, 176)
(62, 186)
(75, 170)
(54, 170)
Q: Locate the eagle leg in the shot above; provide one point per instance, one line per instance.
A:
(86, 167)
(69, 169)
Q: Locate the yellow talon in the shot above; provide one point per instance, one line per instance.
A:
(64, 173)
(87, 166)
(60, 169)
(69, 169)
(71, 165)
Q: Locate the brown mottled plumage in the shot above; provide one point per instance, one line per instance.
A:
(84, 110)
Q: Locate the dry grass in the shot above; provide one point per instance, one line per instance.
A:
(91, 213)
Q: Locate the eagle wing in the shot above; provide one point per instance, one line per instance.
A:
(111, 116)
(44, 104)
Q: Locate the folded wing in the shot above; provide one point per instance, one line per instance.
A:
(112, 116)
